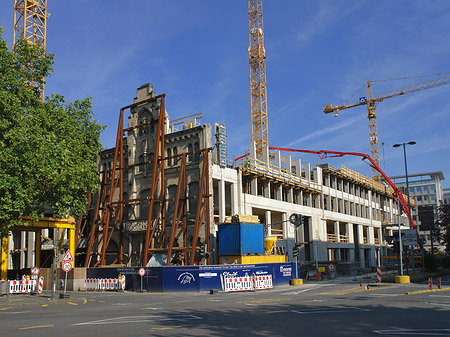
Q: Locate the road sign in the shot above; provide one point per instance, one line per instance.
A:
(34, 271)
(141, 271)
(67, 257)
(409, 237)
(331, 267)
(67, 266)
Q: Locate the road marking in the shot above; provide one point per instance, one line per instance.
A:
(425, 291)
(328, 310)
(141, 319)
(37, 327)
(341, 292)
(71, 303)
(168, 328)
(16, 312)
(264, 300)
(444, 304)
(296, 292)
(417, 332)
(276, 311)
(4, 308)
(44, 305)
(439, 296)
(84, 301)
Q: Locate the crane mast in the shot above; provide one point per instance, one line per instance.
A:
(370, 101)
(30, 22)
(257, 65)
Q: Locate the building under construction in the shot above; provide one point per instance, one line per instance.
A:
(163, 193)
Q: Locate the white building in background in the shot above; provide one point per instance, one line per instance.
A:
(427, 191)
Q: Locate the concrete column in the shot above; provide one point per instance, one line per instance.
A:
(266, 189)
(298, 167)
(308, 171)
(318, 175)
(279, 188)
(221, 197)
(285, 225)
(351, 254)
(360, 234)
(234, 198)
(31, 250)
(336, 230)
(268, 223)
(23, 247)
(370, 236)
(349, 232)
(362, 261)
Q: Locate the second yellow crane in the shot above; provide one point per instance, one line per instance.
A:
(371, 103)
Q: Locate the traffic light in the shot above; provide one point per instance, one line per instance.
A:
(202, 250)
(295, 251)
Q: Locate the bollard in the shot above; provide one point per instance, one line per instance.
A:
(439, 282)
(430, 283)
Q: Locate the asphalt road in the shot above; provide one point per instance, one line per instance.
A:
(338, 308)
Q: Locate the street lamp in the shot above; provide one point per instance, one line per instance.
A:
(409, 206)
(406, 176)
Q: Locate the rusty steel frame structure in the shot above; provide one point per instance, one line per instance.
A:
(109, 213)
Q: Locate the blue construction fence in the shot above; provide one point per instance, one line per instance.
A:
(193, 278)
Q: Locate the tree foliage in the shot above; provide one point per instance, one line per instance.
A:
(48, 149)
(444, 224)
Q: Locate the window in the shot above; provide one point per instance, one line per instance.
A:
(175, 153)
(169, 157)
(191, 155)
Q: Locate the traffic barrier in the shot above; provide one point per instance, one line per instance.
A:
(116, 284)
(378, 274)
(41, 284)
(238, 283)
(263, 282)
(22, 287)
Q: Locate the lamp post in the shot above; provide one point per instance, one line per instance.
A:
(407, 194)
(406, 176)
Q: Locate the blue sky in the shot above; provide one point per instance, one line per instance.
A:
(318, 53)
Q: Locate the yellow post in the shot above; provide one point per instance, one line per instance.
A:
(4, 259)
(37, 248)
(72, 244)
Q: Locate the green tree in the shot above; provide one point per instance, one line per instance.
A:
(48, 149)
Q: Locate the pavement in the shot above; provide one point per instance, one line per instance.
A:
(45, 298)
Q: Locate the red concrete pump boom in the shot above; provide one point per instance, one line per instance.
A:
(324, 154)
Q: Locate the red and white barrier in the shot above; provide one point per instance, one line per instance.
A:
(116, 284)
(238, 283)
(22, 287)
(263, 282)
(41, 284)
(247, 283)
(378, 274)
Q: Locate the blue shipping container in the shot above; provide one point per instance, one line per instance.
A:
(241, 238)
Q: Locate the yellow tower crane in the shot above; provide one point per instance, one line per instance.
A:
(257, 63)
(371, 103)
(30, 22)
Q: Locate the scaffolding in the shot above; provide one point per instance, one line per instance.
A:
(105, 214)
